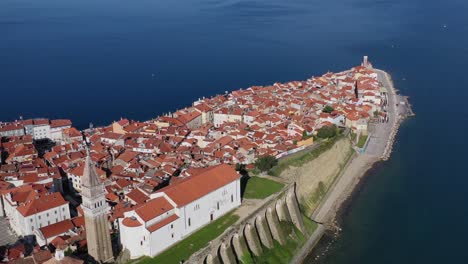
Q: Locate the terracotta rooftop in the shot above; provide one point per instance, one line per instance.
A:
(154, 208)
(131, 222)
(162, 223)
(41, 202)
(57, 228)
(195, 187)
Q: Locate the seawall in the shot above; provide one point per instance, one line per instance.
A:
(263, 231)
(315, 177)
(356, 169)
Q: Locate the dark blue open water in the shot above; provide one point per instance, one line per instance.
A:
(98, 60)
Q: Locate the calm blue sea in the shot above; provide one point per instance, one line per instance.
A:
(97, 61)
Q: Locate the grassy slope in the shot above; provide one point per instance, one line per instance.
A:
(300, 158)
(261, 188)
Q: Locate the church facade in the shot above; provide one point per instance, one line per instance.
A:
(180, 209)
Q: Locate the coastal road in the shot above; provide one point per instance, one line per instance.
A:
(379, 145)
(343, 186)
(380, 137)
(380, 132)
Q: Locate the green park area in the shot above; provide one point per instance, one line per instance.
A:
(260, 188)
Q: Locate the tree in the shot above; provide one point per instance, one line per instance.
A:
(241, 168)
(327, 131)
(265, 163)
(327, 109)
(68, 252)
(305, 135)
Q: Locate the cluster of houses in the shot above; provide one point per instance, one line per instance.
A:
(150, 169)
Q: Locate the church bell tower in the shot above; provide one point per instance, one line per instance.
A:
(95, 211)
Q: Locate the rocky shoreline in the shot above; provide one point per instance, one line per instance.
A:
(346, 186)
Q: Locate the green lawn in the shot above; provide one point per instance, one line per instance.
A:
(362, 141)
(261, 188)
(185, 248)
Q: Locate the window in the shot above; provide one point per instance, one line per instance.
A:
(189, 222)
(217, 205)
(39, 217)
(141, 243)
(172, 226)
(30, 220)
(172, 235)
(47, 214)
(48, 222)
(55, 211)
(32, 228)
(232, 198)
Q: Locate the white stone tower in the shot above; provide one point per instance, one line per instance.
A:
(95, 211)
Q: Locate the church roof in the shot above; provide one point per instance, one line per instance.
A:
(195, 187)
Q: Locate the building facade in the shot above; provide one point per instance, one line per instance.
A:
(28, 210)
(41, 129)
(177, 211)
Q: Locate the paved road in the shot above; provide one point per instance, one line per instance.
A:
(380, 132)
(361, 162)
(6, 235)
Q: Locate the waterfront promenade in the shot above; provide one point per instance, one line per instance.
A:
(378, 148)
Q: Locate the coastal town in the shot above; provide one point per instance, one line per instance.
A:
(144, 186)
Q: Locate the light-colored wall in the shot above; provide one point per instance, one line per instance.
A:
(27, 225)
(76, 181)
(165, 237)
(131, 238)
(9, 133)
(208, 204)
(41, 132)
(140, 242)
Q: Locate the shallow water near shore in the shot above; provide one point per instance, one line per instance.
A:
(95, 61)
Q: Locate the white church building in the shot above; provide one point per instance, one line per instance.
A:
(178, 210)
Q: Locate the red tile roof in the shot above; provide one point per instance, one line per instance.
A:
(40, 203)
(154, 208)
(138, 196)
(57, 228)
(162, 223)
(195, 187)
(78, 221)
(131, 222)
(60, 123)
